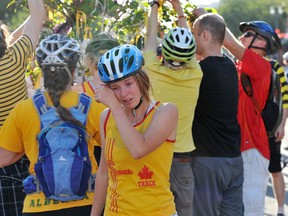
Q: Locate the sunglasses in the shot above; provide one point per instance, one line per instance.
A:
(250, 34)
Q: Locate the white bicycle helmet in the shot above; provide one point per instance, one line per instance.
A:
(58, 49)
(179, 45)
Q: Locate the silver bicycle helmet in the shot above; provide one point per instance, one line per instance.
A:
(59, 50)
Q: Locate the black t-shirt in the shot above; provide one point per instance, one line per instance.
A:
(215, 129)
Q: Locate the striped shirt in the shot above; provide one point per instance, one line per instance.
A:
(284, 87)
(12, 75)
(12, 90)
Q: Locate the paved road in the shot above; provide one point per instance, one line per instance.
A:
(270, 202)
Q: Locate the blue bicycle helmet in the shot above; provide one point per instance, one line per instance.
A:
(266, 31)
(119, 62)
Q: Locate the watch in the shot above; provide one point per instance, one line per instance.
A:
(154, 2)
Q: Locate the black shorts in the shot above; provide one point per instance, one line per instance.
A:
(275, 156)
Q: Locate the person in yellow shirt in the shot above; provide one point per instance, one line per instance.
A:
(176, 79)
(94, 50)
(137, 135)
(57, 55)
(15, 51)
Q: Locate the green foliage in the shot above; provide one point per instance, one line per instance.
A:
(237, 11)
(127, 21)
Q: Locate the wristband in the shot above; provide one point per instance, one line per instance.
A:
(182, 16)
(155, 2)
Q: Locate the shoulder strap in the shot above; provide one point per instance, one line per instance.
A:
(40, 103)
(247, 86)
(84, 104)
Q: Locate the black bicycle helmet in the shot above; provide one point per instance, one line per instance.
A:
(266, 31)
(100, 44)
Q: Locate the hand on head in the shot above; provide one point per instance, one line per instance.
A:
(105, 95)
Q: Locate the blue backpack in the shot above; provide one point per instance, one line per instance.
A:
(63, 169)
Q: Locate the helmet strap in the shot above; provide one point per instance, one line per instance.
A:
(255, 47)
(138, 105)
(176, 64)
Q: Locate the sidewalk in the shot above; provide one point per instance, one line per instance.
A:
(270, 201)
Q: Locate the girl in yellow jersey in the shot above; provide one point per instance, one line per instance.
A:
(57, 55)
(137, 137)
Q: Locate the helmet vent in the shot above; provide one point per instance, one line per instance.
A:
(171, 38)
(126, 51)
(113, 67)
(177, 38)
(130, 63)
(121, 65)
(105, 70)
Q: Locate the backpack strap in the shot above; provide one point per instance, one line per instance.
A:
(247, 86)
(40, 104)
(84, 104)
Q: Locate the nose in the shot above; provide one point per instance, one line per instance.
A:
(123, 91)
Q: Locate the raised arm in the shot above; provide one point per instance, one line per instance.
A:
(32, 25)
(233, 45)
(182, 21)
(152, 28)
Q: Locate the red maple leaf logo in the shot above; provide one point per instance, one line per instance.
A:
(145, 173)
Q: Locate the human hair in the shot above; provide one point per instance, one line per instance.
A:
(215, 24)
(4, 38)
(56, 79)
(57, 55)
(143, 82)
(97, 47)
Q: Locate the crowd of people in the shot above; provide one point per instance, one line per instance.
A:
(174, 133)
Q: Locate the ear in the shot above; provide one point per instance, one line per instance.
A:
(206, 35)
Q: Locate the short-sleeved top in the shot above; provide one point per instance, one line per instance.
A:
(216, 131)
(12, 75)
(284, 87)
(137, 186)
(253, 132)
(180, 87)
(19, 134)
(88, 89)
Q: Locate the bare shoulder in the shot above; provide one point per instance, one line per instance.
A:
(169, 108)
(77, 87)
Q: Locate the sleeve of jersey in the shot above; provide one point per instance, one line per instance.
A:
(10, 133)
(284, 87)
(255, 65)
(93, 124)
(23, 49)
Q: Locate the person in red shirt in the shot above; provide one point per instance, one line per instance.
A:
(257, 41)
